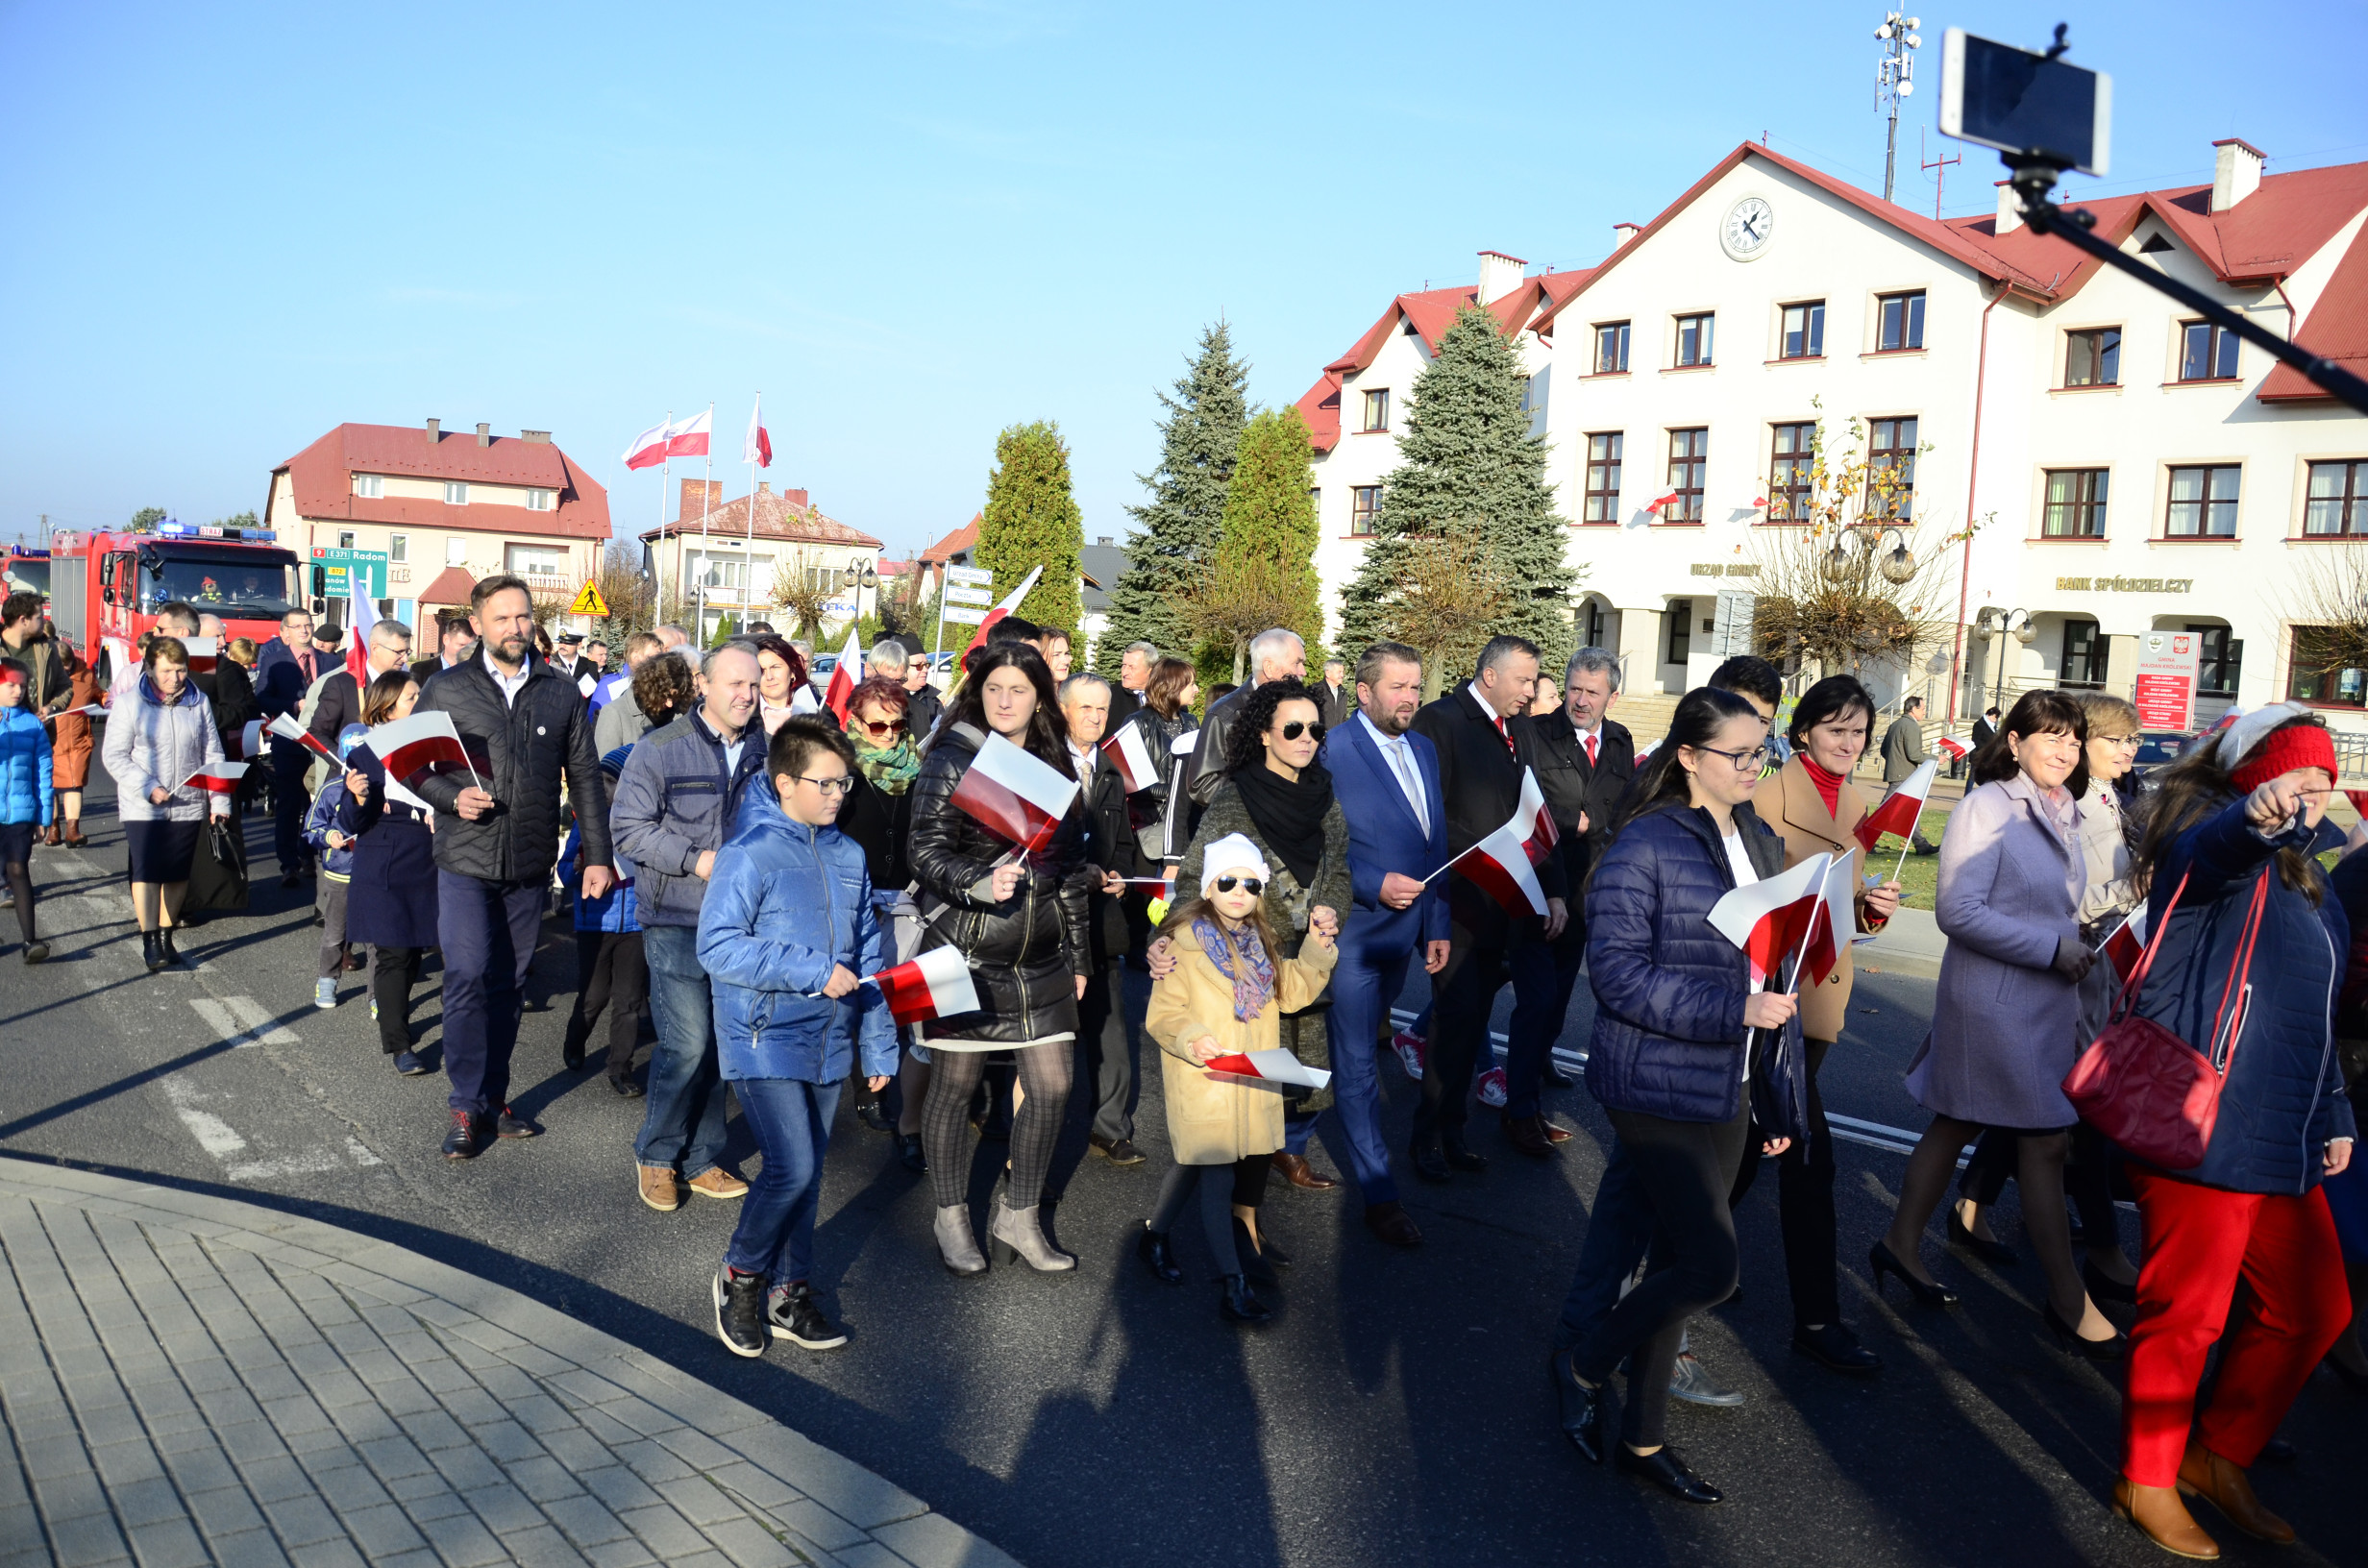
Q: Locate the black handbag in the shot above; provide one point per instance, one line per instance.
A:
(218, 872)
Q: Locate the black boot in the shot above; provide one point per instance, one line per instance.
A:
(165, 945)
(1236, 1300)
(1158, 1256)
(1257, 1264)
(150, 952)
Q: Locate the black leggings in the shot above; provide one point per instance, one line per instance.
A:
(393, 973)
(954, 1076)
(16, 864)
(1805, 1207)
(1686, 1169)
(2088, 1178)
(611, 976)
(1218, 1194)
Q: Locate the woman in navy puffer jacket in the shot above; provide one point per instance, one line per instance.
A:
(1680, 1039)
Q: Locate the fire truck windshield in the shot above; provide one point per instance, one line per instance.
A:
(28, 574)
(236, 584)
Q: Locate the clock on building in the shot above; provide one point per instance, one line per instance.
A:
(1750, 224)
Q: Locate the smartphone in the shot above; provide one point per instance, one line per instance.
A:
(2023, 103)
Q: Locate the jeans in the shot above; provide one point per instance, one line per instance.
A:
(488, 932)
(1545, 973)
(792, 1122)
(683, 1127)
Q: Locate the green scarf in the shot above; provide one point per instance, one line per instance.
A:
(890, 769)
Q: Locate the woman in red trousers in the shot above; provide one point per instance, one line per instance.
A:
(2231, 838)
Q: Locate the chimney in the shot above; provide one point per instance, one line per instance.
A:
(1623, 233)
(699, 497)
(1103, 539)
(435, 431)
(796, 498)
(2009, 207)
(541, 438)
(1500, 275)
(2235, 172)
(764, 487)
(484, 434)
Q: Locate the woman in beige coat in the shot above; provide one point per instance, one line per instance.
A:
(1226, 997)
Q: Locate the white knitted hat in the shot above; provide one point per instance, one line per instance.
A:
(2252, 729)
(1234, 852)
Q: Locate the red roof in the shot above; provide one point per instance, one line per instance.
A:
(1320, 407)
(2337, 327)
(452, 586)
(776, 517)
(323, 479)
(962, 540)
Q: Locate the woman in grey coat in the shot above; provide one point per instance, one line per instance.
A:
(2011, 875)
(159, 735)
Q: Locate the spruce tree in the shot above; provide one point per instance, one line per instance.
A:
(1180, 528)
(1470, 475)
(1031, 520)
(1269, 535)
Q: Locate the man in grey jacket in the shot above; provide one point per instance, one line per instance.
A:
(673, 806)
(1903, 753)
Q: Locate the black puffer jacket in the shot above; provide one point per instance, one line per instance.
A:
(523, 749)
(1025, 951)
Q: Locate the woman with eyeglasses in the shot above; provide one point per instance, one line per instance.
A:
(1686, 1055)
(878, 816)
(1277, 796)
(1020, 920)
(2011, 878)
(782, 688)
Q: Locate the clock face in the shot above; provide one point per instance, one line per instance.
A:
(1751, 223)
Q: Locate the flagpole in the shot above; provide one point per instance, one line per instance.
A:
(665, 466)
(748, 551)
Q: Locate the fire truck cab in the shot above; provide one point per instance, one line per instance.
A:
(25, 571)
(106, 588)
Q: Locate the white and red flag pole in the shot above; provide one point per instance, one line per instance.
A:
(1831, 927)
(757, 450)
(1543, 831)
(842, 688)
(1132, 758)
(218, 778)
(936, 985)
(288, 728)
(1768, 919)
(358, 611)
(1899, 813)
(1269, 1068)
(247, 745)
(408, 748)
(689, 439)
(1014, 794)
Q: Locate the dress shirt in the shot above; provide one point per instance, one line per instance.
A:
(1489, 708)
(511, 686)
(1399, 754)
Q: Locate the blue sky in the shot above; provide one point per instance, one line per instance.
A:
(231, 228)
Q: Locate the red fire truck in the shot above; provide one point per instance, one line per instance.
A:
(106, 588)
(25, 571)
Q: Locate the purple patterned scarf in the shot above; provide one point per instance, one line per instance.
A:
(1253, 982)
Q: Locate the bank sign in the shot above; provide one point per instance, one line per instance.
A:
(2168, 664)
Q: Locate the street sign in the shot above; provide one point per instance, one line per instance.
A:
(969, 575)
(2168, 666)
(338, 569)
(968, 618)
(589, 602)
(956, 594)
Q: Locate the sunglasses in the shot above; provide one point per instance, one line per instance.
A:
(883, 727)
(1248, 884)
(1292, 731)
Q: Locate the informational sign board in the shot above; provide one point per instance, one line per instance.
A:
(2168, 665)
(340, 567)
(958, 595)
(963, 617)
(971, 575)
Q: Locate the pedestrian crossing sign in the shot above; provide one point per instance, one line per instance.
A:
(589, 602)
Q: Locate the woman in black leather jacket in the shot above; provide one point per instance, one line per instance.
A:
(1022, 923)
(1167, 712)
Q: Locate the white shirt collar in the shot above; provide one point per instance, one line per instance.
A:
(511, 685)
(1374, 730)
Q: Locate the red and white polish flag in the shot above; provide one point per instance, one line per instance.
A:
(1014, 794)
(2127, 945)
(205, 652)
(1500, 865)
(359, 614)
(410, 747)
(1951, 747)
(1900, 808)
(1132, 758)
(1544, 832)
(1009, 606)
(1771, 919)
(1269, 1068)
(247, 745)
(287, 728)
(649, 448)
(219, 777)
(1657, 506)
(757, 449)
(689, 439)
(936, 985)
(843, 679)
(1835, 925)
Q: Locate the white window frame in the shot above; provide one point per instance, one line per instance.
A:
(456, 551)
(539, 500)
(370, 487)
(456, 492)
(555, 555)
(398, 549)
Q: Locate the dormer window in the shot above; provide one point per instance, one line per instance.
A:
(456, 492)
(539, 500)
(370, 487)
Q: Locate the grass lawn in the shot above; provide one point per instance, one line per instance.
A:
(1922, 872)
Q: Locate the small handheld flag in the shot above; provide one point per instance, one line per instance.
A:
(1269, 1068)
(1132, 758)
(936, 985)
(217, 777)
(1900, 809)
(1013, 793)
(1768, 919)
(410, 748)
(843, 679)
(287, 728)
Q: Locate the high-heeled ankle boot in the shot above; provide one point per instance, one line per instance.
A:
(1236, 1300)
(955, 1244)
(74, 839)
(1017, 1236)
(151, 952)
(1158, 1256)
(165, 945)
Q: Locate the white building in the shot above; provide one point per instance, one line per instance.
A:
(2133, 471)
(723, 560)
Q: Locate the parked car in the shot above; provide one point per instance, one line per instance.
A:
(2159, 747)
(817, 673)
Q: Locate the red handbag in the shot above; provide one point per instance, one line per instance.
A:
(2150, 1091)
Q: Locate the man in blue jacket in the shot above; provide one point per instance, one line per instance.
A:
(674, 805)
(788, 934)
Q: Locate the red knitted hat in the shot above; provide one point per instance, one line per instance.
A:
(2295, 745)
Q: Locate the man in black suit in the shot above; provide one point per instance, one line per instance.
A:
(1480, 783)
(1986, 728)
(1334, 702)
(455, 641)
(340, 701)
(1585, 762)
(1109, 1065)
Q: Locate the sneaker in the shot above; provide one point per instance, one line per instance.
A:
(740, 1312)
(1410, 1053)
(797, 1317)
(324, 994)
(718, 1183)
(661, 1188)
(408, 1064)
(37, 952)
(1491, 1088)
(1690, 1382)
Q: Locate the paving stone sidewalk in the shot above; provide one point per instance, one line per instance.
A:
(191, 1380)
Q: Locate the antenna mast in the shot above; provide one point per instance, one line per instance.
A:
(1894, 79)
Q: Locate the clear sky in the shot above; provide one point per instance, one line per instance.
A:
(229, 228)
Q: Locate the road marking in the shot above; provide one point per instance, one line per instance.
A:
(242, 1021)
(213, 1134)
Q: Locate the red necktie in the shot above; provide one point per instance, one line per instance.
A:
(1502, 733)
(1590, 751)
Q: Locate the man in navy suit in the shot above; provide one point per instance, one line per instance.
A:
(1386, 781)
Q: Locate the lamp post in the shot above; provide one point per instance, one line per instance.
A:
(2016, 623)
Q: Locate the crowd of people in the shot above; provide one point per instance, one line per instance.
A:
(748, 862)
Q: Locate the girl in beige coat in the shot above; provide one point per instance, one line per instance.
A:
(1225, 996)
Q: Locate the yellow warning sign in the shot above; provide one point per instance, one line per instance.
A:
(589, 602)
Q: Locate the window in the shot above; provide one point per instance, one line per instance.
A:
(2337, 499)
(2205, 352)
(1804, 334)
(2318, 675)
(2084, 650)
(539, 500)
(1315, 503)
(370, 487)
(2092, 359)
(1610, 348)
(1364, 503)
(1690, 456)
(1598, 624)
(1788, 482)
(456, 492)
(398, 548)
(345, 541)
(1603, 449)
(1890, 469)
(456, 551)
(2204, 503)
(536, 560)
(1899, 321)
(1680, 630)
(2219, 661)
(1377, 410)
(2075, 503)
(1693, 339)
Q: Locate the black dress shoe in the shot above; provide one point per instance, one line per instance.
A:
(1581, 1409)
(1158, 1256)
(1258, 1263)
(2110, 1349)
(626, 1088)
(468, 1136)
(1836, 1349)
(867, 1113)
(1667, 1471)
(571, 1053)
(1429, 1163)
(1460, 1158)
(1996, 1253)
(1236, 1300)
(510, 1124)
(909, 1153)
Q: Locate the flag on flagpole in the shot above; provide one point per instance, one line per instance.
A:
(757, 449)
(649, 448)
(936, 985)
(1132, 758)
(204, 653)
(1499, 865)
(410, 747)
(1012, 794)
(2127, 944)
(1900, 809)
(689, 439)
(843, 679)
(288, 728)
(360, 612)
(1269, 1068)
(1767, 919)
(1009, 606)
(220, 778)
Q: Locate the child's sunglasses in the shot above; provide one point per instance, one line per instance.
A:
(1249, 884)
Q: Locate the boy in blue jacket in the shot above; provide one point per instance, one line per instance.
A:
(786, 935)
(330, 826)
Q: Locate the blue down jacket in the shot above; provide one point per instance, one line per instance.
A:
(25, 793)
(2284, 1096)
(786, 902)
(1669, 990)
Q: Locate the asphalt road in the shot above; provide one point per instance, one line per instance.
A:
(1395, 1412)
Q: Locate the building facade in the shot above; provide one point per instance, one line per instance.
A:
(723, 562)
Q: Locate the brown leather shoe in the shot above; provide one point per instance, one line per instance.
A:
(2222, 1483)
(1295, 1171)
(2165, 1520)
(1391, 1223)
(1524, 1135)
(661, 1188)
(718, 1183)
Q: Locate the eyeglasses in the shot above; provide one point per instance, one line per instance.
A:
(1745, 762)
(2130, 742)
(1248, 884)
(829, 786)
(1292, 731)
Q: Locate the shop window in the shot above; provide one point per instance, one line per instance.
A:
(1603, 461)
(2318, 672)
(2084, 650)
(2204, 503)
(2075, 503)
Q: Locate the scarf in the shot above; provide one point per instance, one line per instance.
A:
(1289, 816)
(889, 769)
(1829, 785)
(1254, 982)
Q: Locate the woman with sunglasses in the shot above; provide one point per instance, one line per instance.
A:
(1277, 796)
(878, 816)
(1682, 1060)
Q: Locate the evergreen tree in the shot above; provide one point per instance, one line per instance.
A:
(1180, 528)
(1032, 520)
(1265, 572)
(1474, 478)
